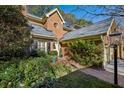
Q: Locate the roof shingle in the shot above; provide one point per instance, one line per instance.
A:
(95, 29)
(40, 31)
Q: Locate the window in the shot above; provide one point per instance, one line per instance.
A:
(54, 45)
(34, 44)
(41, 45)
(38, 45)
(55, 25)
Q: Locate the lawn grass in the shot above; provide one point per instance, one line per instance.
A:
(79, 79)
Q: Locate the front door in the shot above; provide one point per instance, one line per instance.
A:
(48, 47)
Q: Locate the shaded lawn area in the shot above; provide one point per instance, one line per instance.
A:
(79, 79)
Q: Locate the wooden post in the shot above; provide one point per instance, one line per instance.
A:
(105, 56)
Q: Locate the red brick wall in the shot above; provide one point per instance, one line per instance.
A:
(64, 48)
(58, 30)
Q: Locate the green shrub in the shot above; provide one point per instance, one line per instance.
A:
(33, 53)
(31, 72)
(86, 53)
(37, 53)
(41, 53)
(53, 53)
(27, 73)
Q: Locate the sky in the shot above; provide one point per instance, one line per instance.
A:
(81, 14)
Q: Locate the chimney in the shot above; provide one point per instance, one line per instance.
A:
(24, 10)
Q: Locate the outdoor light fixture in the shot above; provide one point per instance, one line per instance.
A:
(115, 41)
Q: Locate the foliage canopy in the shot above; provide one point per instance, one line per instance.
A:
(14, 32)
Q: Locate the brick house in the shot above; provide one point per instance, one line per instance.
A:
(46, 31)
(50, 33)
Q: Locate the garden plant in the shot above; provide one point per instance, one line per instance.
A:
(86, 52)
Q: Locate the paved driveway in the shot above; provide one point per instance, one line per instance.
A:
(104, 75)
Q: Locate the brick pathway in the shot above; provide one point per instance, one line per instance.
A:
(98, 73)
(103, 75)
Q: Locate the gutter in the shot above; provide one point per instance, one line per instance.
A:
(85, 37)
(44, 36)
(34, 18)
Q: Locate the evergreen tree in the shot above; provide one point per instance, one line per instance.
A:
(14, 32)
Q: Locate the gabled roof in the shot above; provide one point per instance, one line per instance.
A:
(119, 21)
(69, 28)
(30, 16)
(41, 31)
(53, 11)
(46, 15)
(98, 28)
(44, 18)
(33, 16)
